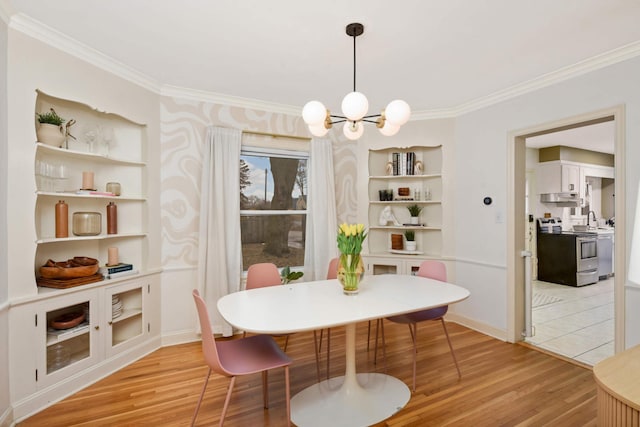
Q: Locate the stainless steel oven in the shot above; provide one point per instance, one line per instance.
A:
(586, 259)
(587, 253)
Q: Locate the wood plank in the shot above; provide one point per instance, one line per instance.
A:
(502, 384)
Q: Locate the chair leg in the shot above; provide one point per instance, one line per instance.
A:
(316, 349)
(328, 351)
(265, 389)
(414, 338)
(320, 345)
(368, 334)
(455, 360)
(204, 387)
(286, 343)
(226, 400)
(287, 394)
(380, 326)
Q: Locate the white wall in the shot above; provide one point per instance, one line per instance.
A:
(481, 169)
(5, 406)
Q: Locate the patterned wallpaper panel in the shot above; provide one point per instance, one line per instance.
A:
(183, 128)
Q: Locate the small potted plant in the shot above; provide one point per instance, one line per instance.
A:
(414, 211)
(50, 130)
(410, 236)
(289, 276)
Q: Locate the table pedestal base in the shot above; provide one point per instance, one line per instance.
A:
(373, 398)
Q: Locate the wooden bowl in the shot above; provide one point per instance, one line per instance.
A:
(68, 320)
(70, 269)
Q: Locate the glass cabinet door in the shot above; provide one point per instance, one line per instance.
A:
(70, 337)
(125, 315)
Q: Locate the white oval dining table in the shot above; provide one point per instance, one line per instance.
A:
(355, 399)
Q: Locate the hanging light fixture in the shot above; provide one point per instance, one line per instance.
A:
(355, 107)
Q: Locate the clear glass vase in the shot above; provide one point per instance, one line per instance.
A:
(350, 270)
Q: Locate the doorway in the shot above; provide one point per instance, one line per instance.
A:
(522, 212)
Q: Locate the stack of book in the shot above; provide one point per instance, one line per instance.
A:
(118, 270)
(403, 163)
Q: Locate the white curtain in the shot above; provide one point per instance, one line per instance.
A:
(220, 250)
(320, 245)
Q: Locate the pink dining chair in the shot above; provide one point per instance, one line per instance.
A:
(262, 275)
(243, 356)
(434, 270)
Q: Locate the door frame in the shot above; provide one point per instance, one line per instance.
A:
(516, 173)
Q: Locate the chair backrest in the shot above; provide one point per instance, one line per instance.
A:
(262, 275)
(209, 349)
(332, 272)
(433, 270)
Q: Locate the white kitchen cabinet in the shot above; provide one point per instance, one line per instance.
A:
(558, 177)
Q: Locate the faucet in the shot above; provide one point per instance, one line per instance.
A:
(594, 217)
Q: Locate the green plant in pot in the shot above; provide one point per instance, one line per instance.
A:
(289, 276)
(50, 130)
(414, 211)
(410, 237)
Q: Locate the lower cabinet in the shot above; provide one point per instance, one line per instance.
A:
(69, 339)
(391, 265)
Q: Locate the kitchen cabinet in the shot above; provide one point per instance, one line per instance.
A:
(558, 177)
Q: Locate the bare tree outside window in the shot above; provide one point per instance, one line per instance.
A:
(273, 190)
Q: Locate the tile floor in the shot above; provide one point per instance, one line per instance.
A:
(574, 322)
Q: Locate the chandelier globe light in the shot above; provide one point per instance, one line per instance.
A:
(355, 107)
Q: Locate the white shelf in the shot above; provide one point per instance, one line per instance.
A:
(403, 252)
(395, 177)
(406, 202)
(57, 336)
(126, 314)
(86, 238)
(86, 155)
(68, 194)
(403, 227)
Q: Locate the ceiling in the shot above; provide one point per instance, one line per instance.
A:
(599, 137)
(438, 55)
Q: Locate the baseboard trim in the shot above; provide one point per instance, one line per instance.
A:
(179, 337)
(477, 326)
(6, 419)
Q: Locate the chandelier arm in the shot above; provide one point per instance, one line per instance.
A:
(372, 116)
(342, 119)
(370, 121)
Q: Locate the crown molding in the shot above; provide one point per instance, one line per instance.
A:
(597, 62)
(48, 35)
(33, 28)
(236, 101)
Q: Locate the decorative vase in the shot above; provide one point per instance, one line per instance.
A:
(50, 134)
(350, 270)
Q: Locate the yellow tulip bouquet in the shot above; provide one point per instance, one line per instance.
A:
(350, 239)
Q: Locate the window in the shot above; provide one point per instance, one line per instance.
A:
(273, 194)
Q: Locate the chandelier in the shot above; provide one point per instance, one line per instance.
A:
(354, 108)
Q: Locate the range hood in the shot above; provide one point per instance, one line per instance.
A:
(570, 200)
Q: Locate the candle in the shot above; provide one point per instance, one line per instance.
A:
(87, 181)
(113, 256)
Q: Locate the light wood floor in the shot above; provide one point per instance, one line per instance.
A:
(502, 385)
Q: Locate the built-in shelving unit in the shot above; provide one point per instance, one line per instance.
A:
(424, 186)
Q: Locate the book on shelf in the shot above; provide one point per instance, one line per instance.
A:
(403, 163)
(120, 274)
(110, 269)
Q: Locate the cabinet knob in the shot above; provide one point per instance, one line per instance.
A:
(110, 322)
(97, 327)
